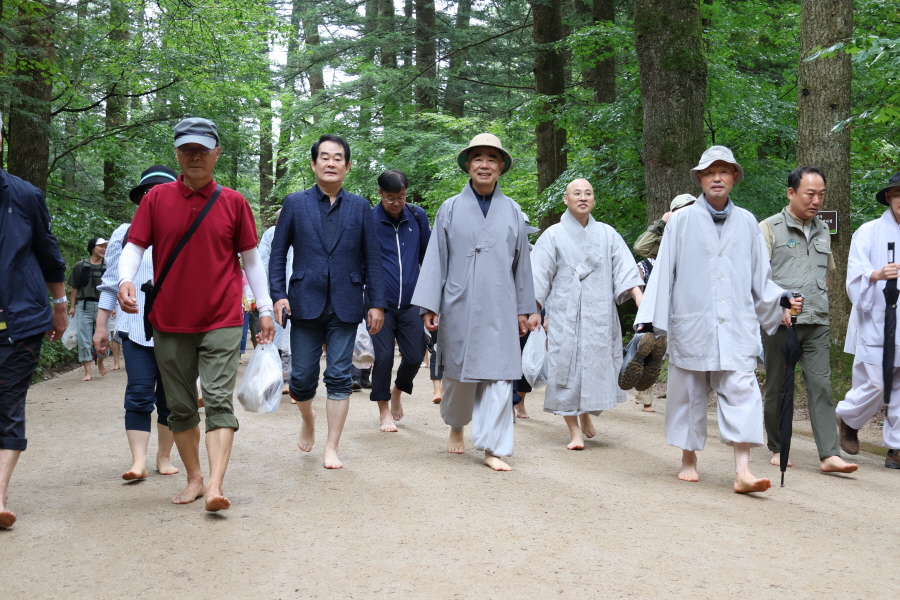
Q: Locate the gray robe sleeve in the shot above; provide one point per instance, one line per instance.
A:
(433, 274)
(525, 304)
(543, 265)
(654, 307)
(766, 294)
(625, 274)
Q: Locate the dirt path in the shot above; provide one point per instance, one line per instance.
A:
(404, 519)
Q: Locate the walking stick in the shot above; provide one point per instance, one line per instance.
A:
(891, 295)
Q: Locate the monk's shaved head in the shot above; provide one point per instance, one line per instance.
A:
(579, 184)
(579, 200)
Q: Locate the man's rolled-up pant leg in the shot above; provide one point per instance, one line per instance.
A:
(383, 342)
(772, 345)
(15, 378)
(740, 407)
(492, 419)
(686, 399)
(140, 388)
(411, 339)
(816, 365)
(218, 355)
(458, 402)
(85, 317)
(177, 359)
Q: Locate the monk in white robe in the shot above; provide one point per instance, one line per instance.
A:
(476, 279)
(710, 291)
(868, 269)
(582, 269)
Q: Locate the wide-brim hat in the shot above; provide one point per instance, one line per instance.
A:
(680, 201)
(154, 175)
(712, 154)
(893, 182)
(484, 139)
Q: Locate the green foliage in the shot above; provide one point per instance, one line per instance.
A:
(54, 357)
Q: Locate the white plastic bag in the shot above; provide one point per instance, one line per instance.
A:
(534, 358)
(363, 349)
(70, 335)
(261, 385)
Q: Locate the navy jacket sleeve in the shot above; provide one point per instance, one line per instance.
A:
(43, 242)
(281, 242)
(374, 278)
(424, 233)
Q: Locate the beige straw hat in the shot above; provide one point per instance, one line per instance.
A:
(484, 139)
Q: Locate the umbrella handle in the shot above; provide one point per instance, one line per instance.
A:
(794, 310)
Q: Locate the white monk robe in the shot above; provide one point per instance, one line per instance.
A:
(580, 274)
(865, 330)
(477, 277)
(710, 292)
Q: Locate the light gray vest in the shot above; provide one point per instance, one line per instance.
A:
(800, 266)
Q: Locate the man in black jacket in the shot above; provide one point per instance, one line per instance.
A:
(29, 255)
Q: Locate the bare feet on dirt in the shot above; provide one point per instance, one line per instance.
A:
(688, 466)
(331, 460)
(836, 464)
(649, 408)
(436, 400)
(7, 518)
(587, 425)
(386, 419)
(495, 463)
(456, 444)
(194, 490)
(521, 413)
(216, 501)
(164, 465)
(776, 460)
(747, 484)
(101, 368)
(396, 404)
(136, 472)
(86, 378)
(308, 433)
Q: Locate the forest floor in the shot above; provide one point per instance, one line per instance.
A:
(405, 519)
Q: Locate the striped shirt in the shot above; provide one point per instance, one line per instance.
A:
(132, 324)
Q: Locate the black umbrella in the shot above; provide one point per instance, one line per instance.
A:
(792, 352)
(890, 328)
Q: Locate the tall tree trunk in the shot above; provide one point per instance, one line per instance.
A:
(426, 55)
(367, 89)
(549, 80)
(823, 100)
(312, 41)
(116, 116)
(29, 119)
(407, 51)
(672, 65)
(292, 72)
(456, 98)
(266, 156)
(386, 25)
(602, 76)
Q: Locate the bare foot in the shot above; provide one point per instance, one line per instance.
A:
(387, 424)
(495, 463)
(521, 413)
(747, 484)
(456, 444)
(649, 408)
(436, 400)
(836, 464)
(194, 490)
(101, 369)
(331, 460)
(86, 378)
(776, 460)
(396, 409)
(136, 472)
(587, 426)
(688, 466)
(577, 442)
(217, 502)
(7, 519)
(164, 465)
(308, 433)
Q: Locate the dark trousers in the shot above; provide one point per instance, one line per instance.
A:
(404, 325)
(15, 378)
(144, 389)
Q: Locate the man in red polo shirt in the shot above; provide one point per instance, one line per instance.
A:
(196, 317)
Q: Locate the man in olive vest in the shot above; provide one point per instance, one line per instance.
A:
(800, 251)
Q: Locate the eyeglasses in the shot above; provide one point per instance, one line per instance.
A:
(580, 194)
(395, 199)
(193, 151)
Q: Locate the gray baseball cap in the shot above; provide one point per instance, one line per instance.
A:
(195, 130)
(712, 154)
(680, 201)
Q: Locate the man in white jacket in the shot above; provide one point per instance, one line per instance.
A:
(865, 331)
(710, 290)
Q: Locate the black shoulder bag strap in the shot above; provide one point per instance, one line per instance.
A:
(151, 289)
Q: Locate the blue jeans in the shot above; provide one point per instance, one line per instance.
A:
(307, 337)
(144, 389)
(244, 332)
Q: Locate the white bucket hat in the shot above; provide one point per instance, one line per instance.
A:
(484, 139)
(712, 154)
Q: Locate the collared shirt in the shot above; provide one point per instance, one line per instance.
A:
(483, 201)
(331, 214)
(132, 324)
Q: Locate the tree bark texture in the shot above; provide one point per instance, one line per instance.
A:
(312, 41)
(266, 157)
(426, 56)
(386, 26)
(549, 81)
(292, 72)
(116, 116)
(29, 119)
(455, 95)
(672, 64)
(823, 99)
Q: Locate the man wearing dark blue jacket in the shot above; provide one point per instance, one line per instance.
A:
(336, 276)
(403, 233)
(29, 261)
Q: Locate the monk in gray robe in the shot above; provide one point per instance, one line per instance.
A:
(710, 291)
(476, 279)
(582, 269)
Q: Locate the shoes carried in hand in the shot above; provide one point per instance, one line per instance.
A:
(643, 353)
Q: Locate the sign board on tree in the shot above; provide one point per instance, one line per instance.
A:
(831, 220)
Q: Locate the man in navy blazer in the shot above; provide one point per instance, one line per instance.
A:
(336, 278)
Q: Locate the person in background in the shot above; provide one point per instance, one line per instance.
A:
(86, 275)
